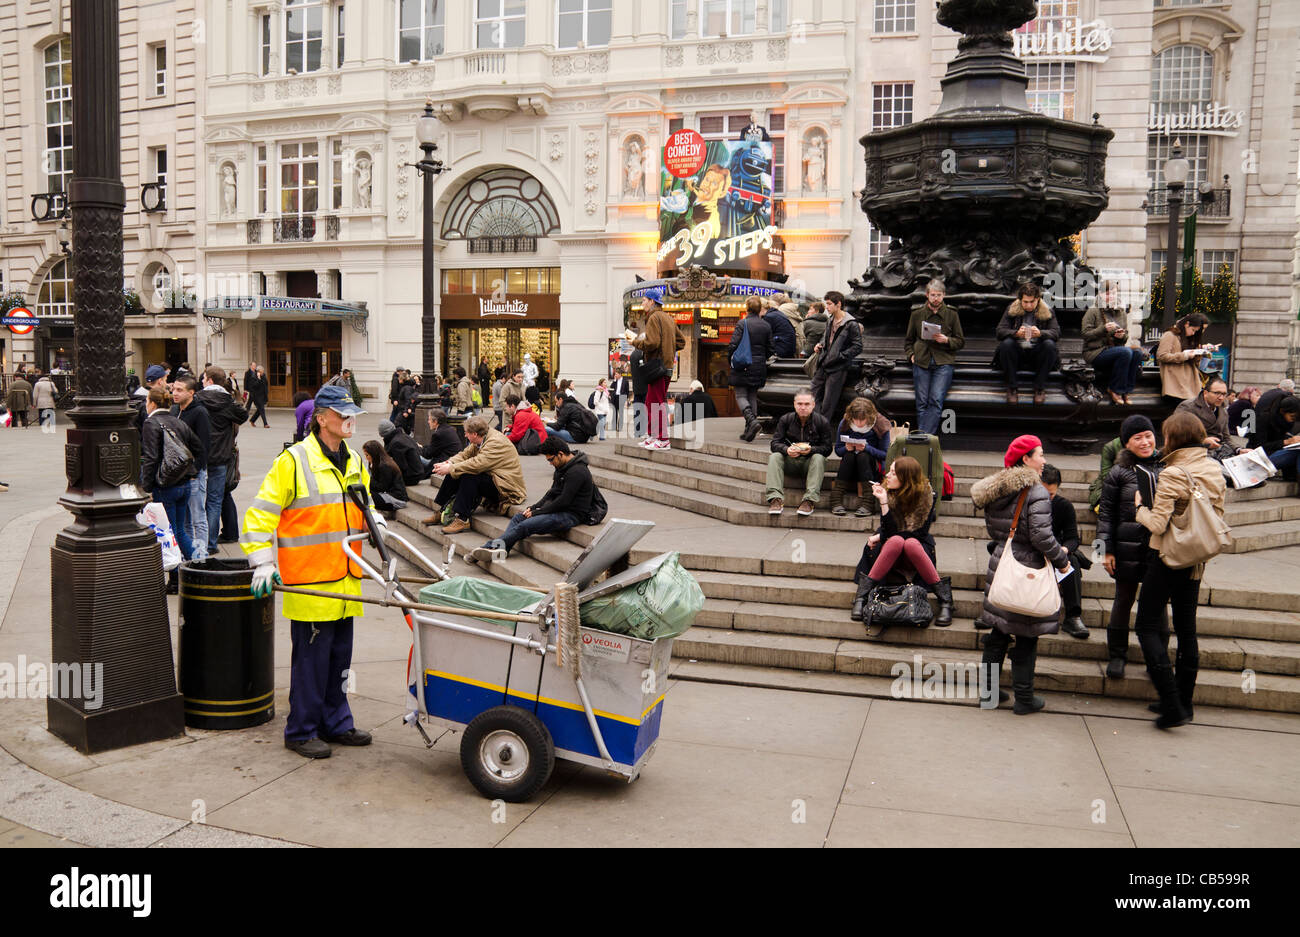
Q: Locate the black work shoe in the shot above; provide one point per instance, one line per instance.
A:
(350, 737)
(308, 748)
(1115, 669)
(1075, 628)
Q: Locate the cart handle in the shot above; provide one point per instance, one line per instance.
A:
(413, 606)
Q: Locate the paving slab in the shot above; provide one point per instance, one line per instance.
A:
(1197, 759)
(22, 837)
(875, 827)
(965, 761)
(202, 836)
(693, 796)
(1165, 819)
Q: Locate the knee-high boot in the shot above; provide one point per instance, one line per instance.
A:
(1171, 707)
(995, 651)
(1185, 669)
(865, 585)
(1022, 682)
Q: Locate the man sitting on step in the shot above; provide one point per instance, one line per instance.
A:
(570, 501)
(800, 445)
(486, 471)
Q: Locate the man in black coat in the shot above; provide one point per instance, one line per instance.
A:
(225, 416)
(838, 350)
(697, 405)
(444, 441)
(195, 416)
(619, 390)
(784, 340)
(1027, 335)
(745, 381)
(571, 500)
(405, 451)
(570, 424)
(800, 446)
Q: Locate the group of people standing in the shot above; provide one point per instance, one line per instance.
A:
(23, 395)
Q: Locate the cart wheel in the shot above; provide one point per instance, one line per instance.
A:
(507, 753)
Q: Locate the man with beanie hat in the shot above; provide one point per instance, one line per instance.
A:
(405, 452)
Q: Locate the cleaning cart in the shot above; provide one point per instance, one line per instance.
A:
(515, 670)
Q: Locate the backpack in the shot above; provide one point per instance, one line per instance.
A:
(1196, 535)
(949, 482)
(591, 401)
(177, 462)
(589, 422)
(598, 506)
(743, 356)
(531, 444)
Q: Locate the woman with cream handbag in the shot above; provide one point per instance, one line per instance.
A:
(1020, 597)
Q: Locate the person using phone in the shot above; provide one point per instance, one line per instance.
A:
(1105, 345)
(1180, 348)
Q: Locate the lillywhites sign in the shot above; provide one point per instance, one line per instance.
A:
(1066, 39)
(1212, 118)
(502, 307)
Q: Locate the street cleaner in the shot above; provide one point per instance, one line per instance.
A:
(303, 506)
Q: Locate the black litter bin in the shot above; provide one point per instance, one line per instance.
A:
(227, 647)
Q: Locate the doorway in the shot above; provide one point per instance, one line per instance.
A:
(301, 356)
(714, 375)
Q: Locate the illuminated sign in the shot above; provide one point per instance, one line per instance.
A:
(1212, 118)
(684, 154)
(1069, 40)
(493, 307)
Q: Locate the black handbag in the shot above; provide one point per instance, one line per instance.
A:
(906, 604)
(177, 463)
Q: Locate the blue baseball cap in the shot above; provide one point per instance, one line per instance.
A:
(154, 372)
(337, 399)
(655, 294)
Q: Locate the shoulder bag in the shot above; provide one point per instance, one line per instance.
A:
(1020, 589)
(906, 604)
(177, 461)
(743, 356)
(1196, 535)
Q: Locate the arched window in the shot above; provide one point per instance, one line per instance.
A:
(56, 292)
(1182, 81)
(501, 203)
(58, 115)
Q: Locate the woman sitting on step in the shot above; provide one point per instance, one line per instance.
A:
(907, 509)
(861, 443)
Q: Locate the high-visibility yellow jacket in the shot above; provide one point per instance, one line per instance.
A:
(303, 504)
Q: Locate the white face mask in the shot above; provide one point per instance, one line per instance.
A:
(349, 426)
(859, 427)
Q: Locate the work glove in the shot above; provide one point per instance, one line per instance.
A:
(264, 579)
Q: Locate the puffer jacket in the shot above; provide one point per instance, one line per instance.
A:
(1174, 492)
(760, 349)
(1117, 526)
(784, 341)
(1034, 542)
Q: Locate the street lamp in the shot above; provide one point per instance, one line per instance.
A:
(1176, 171)
(426, 130)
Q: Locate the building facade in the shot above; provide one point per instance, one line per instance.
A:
(159, 83)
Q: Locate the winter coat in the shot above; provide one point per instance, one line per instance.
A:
(464, 394)
(225, 415)
(386, 480)
(600, 402)
(1214, 419)
(1174, 492)
(405, 451)
(151, 446)
(258, 390)
(814, 328)
(496, 457)
(760, 349)
(1271, 428)
(195, 416)
(1109, 453)
(526, 418)
(302, 414)
(815, 431)
(915, 526)
(1179, 375)
(572, 489)
(1034, 545)
(842, 348)
(659, 340)
(1014, 318)
(784, 342)
(569, 417)
(876, 438)
(1117, 527)
(1095, 337)
(44, 394)
(19, 397)
(1065, 523)
(395, 388)
(444, 443)
(925, 352)
(697, 405)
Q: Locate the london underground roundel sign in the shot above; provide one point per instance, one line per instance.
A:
(20, 320)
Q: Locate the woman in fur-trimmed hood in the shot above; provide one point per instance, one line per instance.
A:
(1034, 545)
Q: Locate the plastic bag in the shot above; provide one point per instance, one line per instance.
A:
(154, 516)
(662, 606)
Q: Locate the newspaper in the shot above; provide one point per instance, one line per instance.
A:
(929, 330)
(1250, 468)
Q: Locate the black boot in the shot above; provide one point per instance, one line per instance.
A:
(943, 592)
(1022, 681)
(1171, 707)
(995, 651)
(1185, 670)
(752, 426)
(1074, 627)
(865, 585)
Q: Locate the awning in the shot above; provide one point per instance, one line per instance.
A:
(221, 310)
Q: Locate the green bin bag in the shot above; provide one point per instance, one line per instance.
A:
(662, 606)
(482, 595)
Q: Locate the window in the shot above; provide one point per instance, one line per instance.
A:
(727, 17)
(1158, 264)
(338, 34)
(56, 292)
(420, 30)
(58, 115)
(499, 24)
(677, 14)
(585, 21)
(266, 45)
(1211, 261)
(515, 280)
(1051, 88)
(158, 59)
(895, 16)
(336, 175)
(877, 247)
(891, 105)
(158, 165)
(162, 285)
(261, 180)
(304, 35)
(299, 178)
(1181, 76)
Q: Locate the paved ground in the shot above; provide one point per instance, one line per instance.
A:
(735, 765)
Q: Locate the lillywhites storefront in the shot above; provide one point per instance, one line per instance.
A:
(501, 313)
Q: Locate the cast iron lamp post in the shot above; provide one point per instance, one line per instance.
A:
(426, 130)
(108, 607)
(1176, 170)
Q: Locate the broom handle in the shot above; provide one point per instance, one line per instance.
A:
(414, 606)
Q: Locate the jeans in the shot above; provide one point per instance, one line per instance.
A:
(640, 418)
(216, 491)
(175, 500)
(856, 468)
(616, 414)
(521, 527)
(259, 409)
(1117, 368)
(827, 389)
(199, 514)
(1285, 460)
(746, 398)
(600, 426)
(561, 434)
(779, 465)
(932, 385)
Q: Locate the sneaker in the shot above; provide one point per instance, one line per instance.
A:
(838, 510)
(862, 511)
(806, 508)
(648, 443)
(350, 737)
(458, 525)
(661, 444)
(485, 554)
(775, 506)
(308, 748)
